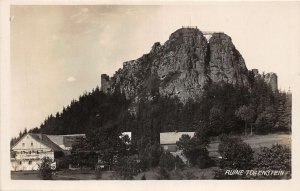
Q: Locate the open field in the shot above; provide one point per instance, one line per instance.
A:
(255, 141)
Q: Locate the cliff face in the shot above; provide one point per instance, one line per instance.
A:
(226, 63)
(269, 78)
(181, 67)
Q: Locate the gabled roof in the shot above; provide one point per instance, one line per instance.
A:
(57, 139)
(71, 139)
(172, 137)
(42, 138)
(54, 142)
(65, 141)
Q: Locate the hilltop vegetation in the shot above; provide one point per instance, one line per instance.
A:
(188, 83)
(217, 111)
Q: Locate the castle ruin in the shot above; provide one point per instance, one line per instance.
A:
(270, 78)
(105, 83)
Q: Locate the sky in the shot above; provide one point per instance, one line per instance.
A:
(59, 52)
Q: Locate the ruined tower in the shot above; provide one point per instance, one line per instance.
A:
(105, 83)
(271, 79)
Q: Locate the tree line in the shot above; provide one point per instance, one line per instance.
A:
(223, 108)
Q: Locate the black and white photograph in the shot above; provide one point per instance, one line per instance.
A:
(165, 91)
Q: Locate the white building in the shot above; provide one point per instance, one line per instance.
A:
(168, 142)
(31, 148)
(126, 134)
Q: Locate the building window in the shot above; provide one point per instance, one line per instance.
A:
(23, 144)
(29, 162)
(20, 162)
(31, 144)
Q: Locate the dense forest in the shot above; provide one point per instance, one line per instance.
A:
(223, 109)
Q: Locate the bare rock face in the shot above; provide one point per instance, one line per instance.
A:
(226, 63)
(105, 82)
(270, 79)
(182, 67)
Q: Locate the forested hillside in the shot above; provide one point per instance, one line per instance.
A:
(189, 82)
(223, 109)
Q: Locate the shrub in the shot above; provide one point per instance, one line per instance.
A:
(167, 161)
(190, 176)
(177, 175)
(265, 121)
(98, 173)
(204, 161)
(179, 163)
(63, 163)
(127, 167)
(278, 157)
(143, 177)
(45, 170)
(164, 175)
(235, 153)
(195, 148)
(150, 156)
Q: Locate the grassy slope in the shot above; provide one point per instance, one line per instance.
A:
(256, 141)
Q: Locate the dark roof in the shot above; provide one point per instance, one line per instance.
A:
(46, 141)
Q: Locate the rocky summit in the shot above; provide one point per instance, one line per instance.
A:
(183, 66)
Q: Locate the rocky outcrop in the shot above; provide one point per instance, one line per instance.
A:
(181, 67)
(105, 83)
(270, 78)
(226, 63)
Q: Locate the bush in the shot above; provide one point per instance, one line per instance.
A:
(278, 157)
(63, 163)
(204, 161)
(164, 175)
(167, 161)
(150, 156)
(143, 177)
(195, 148)
(45, 170)
(190, 176)
(127, 167)
(177, 175)
(235, 153)
(98, 173)
(265, 121)
(179, 163)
